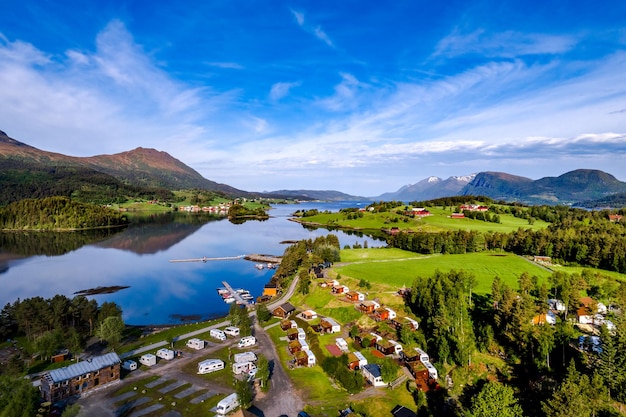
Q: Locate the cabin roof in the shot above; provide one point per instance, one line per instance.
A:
(84, 367)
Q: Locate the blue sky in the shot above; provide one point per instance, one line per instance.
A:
(356, 96)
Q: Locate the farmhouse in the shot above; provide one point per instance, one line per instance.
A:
(545, 318)
(368, 306)
(400, 322)
(330, 326)
(371, 372)
(384, 314)
(283, 310)
(62, 383)
(356, 360)
(457, 216)
(270, 290)
(292, 333)
(340, 289)
(371, 339)
(355, 296)
(294, 346)
(286, 324)
(309, 315)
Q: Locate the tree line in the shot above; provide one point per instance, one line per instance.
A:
(19, 180)
(57, 213)
(576, 237)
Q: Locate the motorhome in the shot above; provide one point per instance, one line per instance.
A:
(148, 359)
(247, 341)
(244, 357)
(227, 404)
(423, 355)
(195, 343)
(218, 334)
(210, 365)
(164, 353)
(243, 367)
(232, 331)
(129, 365)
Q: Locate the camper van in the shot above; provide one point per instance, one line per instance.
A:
(195, 343)
(165, 354)
(244, 357)
(210, 365)
(218, 334)
(241, 367)
(227, 405)
(423, 355)
(129, 365)
(247, 341)
(232, 331)
(432, 371)
(148, 359)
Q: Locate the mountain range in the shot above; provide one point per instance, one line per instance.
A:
(26, 171)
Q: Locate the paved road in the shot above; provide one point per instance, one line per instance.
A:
(282, 398)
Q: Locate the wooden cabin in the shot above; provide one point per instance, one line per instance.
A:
(283, 310)
(294, 346)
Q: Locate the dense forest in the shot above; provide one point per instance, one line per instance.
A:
(551, 375)
(575, 237)
(57, 213)
(21, 180)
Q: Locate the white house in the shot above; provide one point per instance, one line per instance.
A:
(148, 359)
(164, 353)
(371, 372)
(341, 344)
(195, 343)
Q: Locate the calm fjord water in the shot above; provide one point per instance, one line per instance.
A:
(161, 291)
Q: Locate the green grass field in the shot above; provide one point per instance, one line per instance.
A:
(439, 221)
(397, 272)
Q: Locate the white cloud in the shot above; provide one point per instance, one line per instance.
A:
(299, 17)
(504, 44)
(321, 35)
(226, 65)
(281, 89)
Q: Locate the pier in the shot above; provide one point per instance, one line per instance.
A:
(235, 294)
(206, 259)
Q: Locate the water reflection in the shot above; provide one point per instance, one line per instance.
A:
(139, 256)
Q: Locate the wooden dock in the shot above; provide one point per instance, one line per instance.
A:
(235, 294)
(206, 259)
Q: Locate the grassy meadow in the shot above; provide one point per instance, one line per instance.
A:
(400, 268)
(438, 221)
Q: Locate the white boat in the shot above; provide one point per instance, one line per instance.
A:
(259, 266)
(229, 300)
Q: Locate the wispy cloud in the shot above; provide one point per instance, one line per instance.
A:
(317, 31)
(503, 44)
(281, 89)
(226, 65)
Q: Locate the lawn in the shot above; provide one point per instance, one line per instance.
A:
(397, 273)
(438, 221)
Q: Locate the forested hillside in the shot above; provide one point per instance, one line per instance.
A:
(57, 213)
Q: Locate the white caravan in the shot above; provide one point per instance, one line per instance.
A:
(164, 353)
(232, 331)
(218, 334)
(247, 341)
(210, 365)
(195, 343)
(244, 357)
(243, 367)
(227, 405)
(129, 365)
